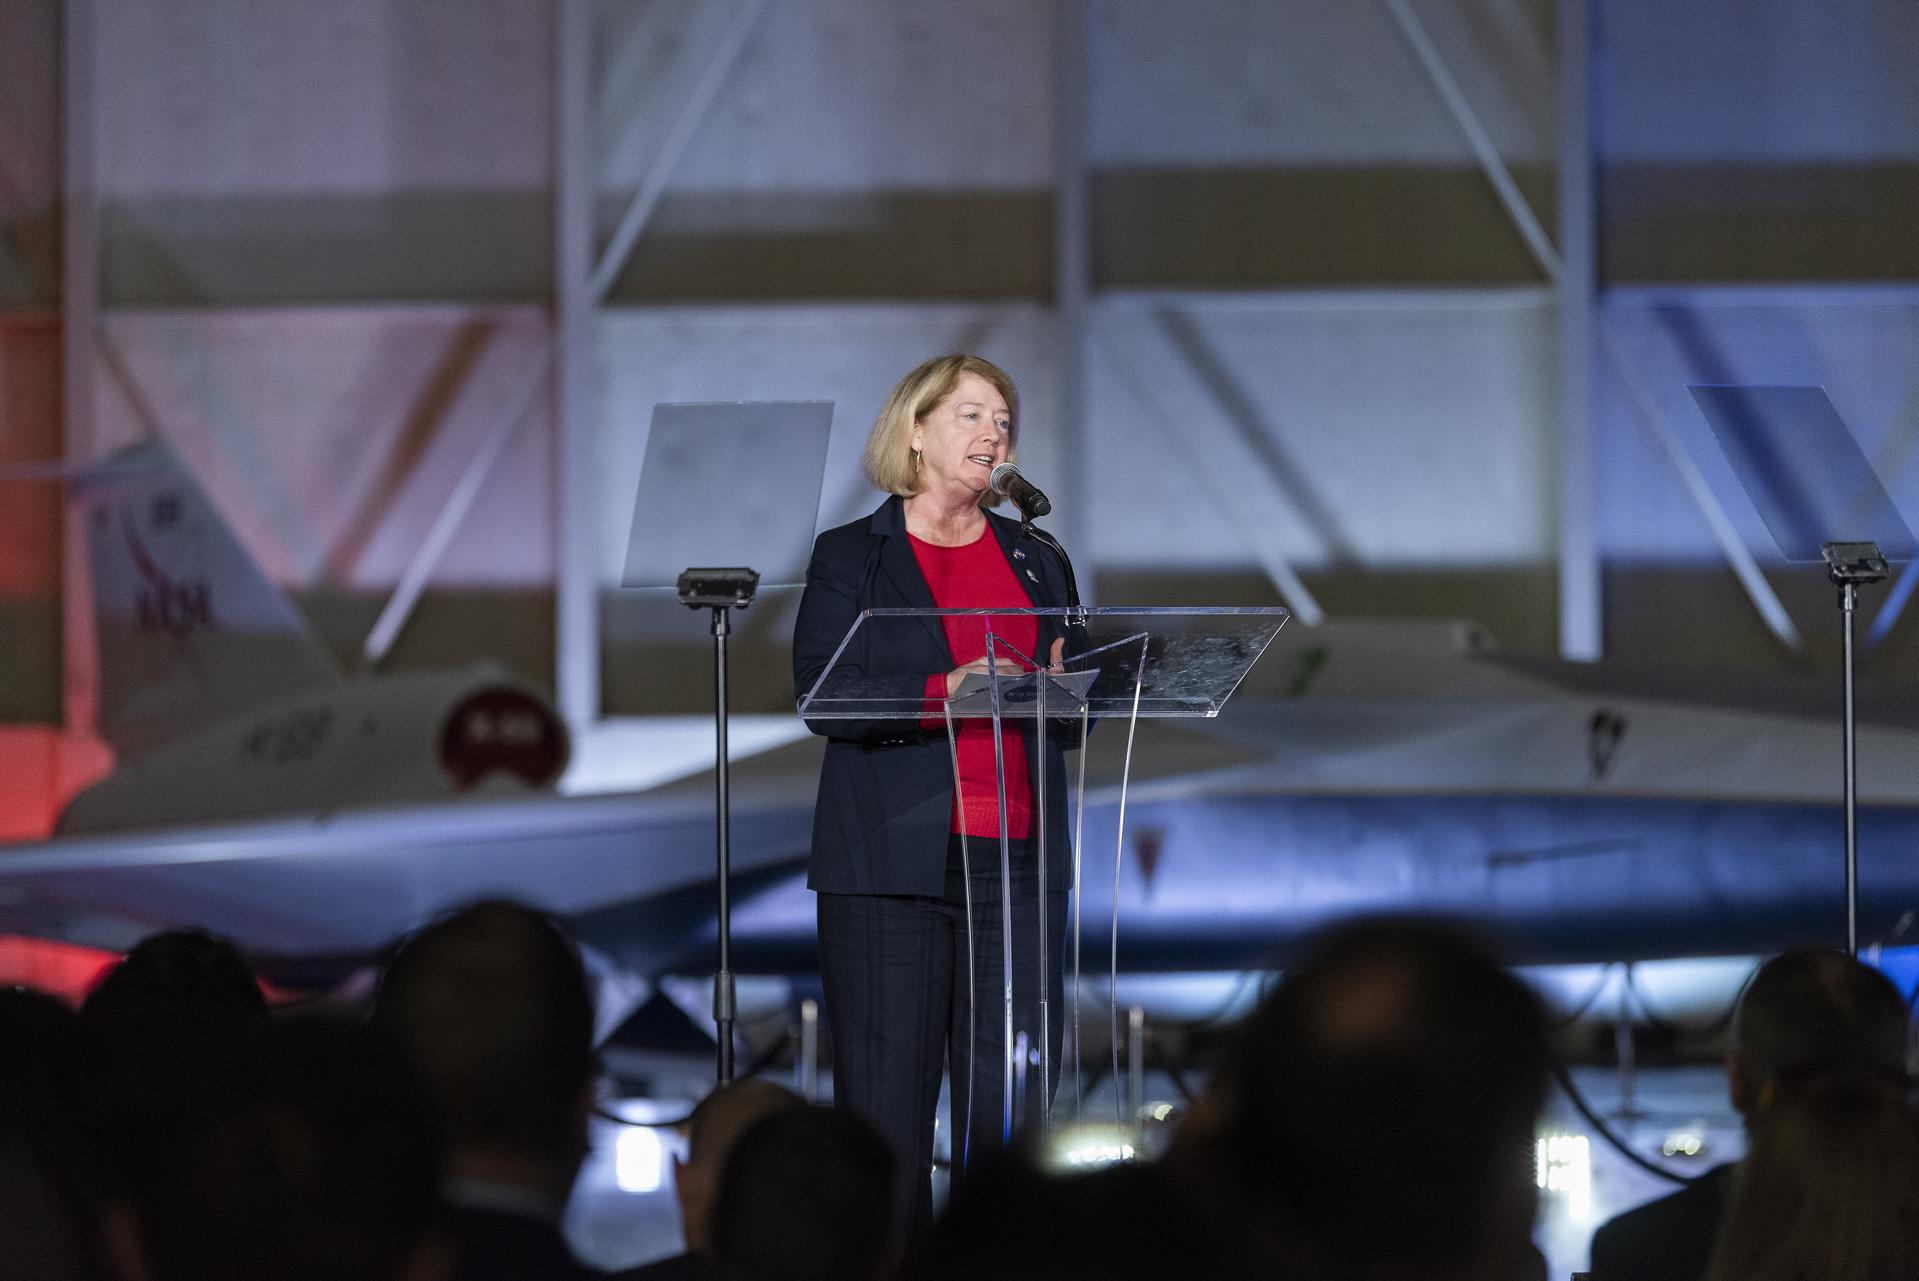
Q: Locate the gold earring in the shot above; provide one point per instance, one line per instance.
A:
(916, 464)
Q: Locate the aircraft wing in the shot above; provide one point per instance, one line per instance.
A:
(1357, 773)
(347, 886)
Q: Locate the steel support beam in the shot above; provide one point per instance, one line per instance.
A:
(1581, 590)
(1731, 545)
(1339, 298)
(36, 249)
(580, 286)
(1072, 284)
(1569, 267)
(679, 135)
(1894, 605)
(576, 573)
(500, 433)
(1433, 63)
(114, 364)
(1579, 562)
(1159, 376)
(79, 331)
(1723, 293)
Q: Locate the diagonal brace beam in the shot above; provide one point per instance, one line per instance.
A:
(426, 558)
(506, 424)
(679, 135)
(1139, 343)
(1737, 554)
(1433, 63)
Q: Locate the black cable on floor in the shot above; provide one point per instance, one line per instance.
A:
(1605, 1132)
(1586, 1002)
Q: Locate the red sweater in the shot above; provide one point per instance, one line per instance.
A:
(977, 576)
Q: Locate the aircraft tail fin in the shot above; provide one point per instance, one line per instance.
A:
(188, 628)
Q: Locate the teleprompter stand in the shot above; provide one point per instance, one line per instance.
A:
(727, 484)
(722, 591)
(1821, 501)
(1850, 565)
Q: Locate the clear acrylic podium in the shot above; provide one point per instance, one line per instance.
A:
(1121, 665)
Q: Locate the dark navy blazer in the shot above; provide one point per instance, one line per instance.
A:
(884, 814)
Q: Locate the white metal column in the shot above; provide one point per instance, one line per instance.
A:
(1581, 600)
(79, 329)
(1072, 283)
(582, 281)
(576, 578)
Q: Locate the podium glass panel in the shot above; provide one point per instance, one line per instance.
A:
(1120, 664)
(1154, 662)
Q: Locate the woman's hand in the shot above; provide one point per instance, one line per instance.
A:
(979, 667)
(1007, 667)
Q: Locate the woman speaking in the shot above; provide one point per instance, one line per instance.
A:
(888, 861)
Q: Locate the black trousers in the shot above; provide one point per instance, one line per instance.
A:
(894, 969)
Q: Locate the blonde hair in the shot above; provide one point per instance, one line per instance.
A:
(888, 458)
(1829, 1187)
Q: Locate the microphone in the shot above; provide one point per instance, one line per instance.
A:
(1007, 482)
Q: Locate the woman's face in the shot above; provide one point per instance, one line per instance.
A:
(963, 437)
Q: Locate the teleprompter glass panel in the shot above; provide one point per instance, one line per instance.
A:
(730, 483)
(1802, 469)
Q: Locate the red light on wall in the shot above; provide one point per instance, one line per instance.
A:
(70, 970)
(44, 768)
(65, 970)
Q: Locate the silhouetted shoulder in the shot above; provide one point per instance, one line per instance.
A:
(1669, 1239)
(492, 1246)
(847, 539)
(1129, 1222)
(678, 1267)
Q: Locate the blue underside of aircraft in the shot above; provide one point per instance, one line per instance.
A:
(1239, 882)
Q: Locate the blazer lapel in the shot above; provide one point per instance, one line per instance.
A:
(901, 570)
(1020, 557)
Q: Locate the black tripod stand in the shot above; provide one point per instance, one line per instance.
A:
(1849, 565)
(721, 590)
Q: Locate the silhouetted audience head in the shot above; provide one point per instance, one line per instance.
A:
(491, 1007)
(1829, 1188)
(318, 1163)
(712, 1130)
(1012, 1219)
(62, 1122)
(176, 1010)
(1381, 1105)
(1812, 1012)
(183, 984)
(805, 1196)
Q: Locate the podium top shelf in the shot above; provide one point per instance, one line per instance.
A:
(1159, 661)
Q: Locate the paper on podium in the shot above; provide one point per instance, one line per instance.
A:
(1019, 696)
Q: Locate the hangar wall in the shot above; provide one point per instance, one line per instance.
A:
(1268, 310)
